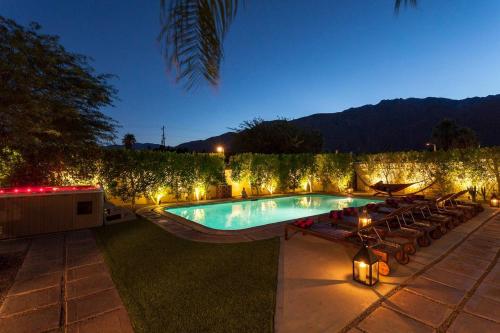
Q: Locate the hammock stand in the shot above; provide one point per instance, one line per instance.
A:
(388, 189)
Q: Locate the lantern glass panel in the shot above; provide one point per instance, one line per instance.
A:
(365, 267)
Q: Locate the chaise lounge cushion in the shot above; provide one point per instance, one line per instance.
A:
(304, 223)
(336, 214)
(350, 211)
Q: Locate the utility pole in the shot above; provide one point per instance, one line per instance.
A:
(162, 144)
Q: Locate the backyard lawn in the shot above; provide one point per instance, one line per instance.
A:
(170, 284)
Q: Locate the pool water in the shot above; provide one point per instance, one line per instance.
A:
(254, 213)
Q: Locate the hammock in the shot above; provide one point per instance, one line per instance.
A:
(382, 188)
(389, 188)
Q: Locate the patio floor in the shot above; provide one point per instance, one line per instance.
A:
(63, 285)
(439, 288)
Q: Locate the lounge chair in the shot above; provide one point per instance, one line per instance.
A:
(438, 206)
(384, 250)
(468, 210)
(421, 212)
(380, 228)
(395, 227)
(431, 230)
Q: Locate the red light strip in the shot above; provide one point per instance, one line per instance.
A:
(46, 189)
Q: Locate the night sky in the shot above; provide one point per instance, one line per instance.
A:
(283, 58)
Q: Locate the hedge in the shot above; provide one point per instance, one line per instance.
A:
(130, 174)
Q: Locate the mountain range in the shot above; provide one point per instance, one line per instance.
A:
(390, 125)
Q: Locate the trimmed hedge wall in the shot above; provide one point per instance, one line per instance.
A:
(130, 174)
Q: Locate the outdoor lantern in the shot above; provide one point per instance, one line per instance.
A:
(364, 219)
(494, 202)
(349, 191)
(365, 266)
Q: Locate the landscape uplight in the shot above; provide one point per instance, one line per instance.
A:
(494, 202)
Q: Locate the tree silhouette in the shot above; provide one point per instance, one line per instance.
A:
(275, 137)
(50, 105)
(448, 135)
(129, 141)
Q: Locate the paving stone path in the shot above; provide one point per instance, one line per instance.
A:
(460, 293)
(64, 285)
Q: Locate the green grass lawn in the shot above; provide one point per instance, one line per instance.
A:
(170, 284)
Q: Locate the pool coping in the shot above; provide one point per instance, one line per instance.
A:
(187, 229)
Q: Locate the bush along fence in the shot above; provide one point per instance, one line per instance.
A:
(156, 176)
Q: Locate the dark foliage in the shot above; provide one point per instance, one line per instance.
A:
(49, 104)
(192, 33)
(278, 136)
(448, 135)
(129, 141)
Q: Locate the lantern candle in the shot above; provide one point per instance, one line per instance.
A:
(362, 271)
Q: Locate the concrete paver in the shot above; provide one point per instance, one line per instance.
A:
(84, 260)
(493, 277)
(39, 320)
(436, 291)
(24, 302)
(384, 320)
(92, 305)
(462, 267)
(64, 273)
(41, 282)
(88, 285)
(419, 307)
(86, 271)
(467, 323)
(448, 278)
(489, 291)
(483, 307)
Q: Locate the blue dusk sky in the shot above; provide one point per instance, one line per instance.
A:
(287, 58)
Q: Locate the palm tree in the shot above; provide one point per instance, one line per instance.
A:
(192, 34)
(129, 140)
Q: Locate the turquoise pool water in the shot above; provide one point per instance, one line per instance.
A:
(253, 213)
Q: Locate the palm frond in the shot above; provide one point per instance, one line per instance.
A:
(399, 3)
(192, 35)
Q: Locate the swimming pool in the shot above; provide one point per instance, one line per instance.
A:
(253, 213)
